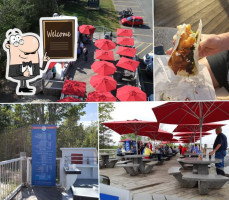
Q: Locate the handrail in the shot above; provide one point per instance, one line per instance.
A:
(10, 161)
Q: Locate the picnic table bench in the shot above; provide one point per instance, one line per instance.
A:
(184, 165)
(123, 162)
(175, 171)
(105, 162)
(154, 197)
(131, 169)
(148, 166)
(206, 181)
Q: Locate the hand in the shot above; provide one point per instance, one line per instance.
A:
(210, 45)
(46, 58)
(211, 153)
(26, 73)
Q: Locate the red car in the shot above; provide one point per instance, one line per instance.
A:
(137, 20)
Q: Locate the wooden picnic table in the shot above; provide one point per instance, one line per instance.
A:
(200, 166)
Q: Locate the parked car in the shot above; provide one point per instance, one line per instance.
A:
(148, 58)
(132, 20)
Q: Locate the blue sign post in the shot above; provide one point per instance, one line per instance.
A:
(44, 155)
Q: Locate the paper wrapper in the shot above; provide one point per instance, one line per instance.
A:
(169, 87)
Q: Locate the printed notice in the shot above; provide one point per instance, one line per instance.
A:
(59, 37)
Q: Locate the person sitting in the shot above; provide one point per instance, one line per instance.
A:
(133, 150)
(147, 151)
(119, 150)
(196, 149)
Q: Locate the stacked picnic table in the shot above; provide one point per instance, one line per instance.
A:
(106, 162)
(200, 174)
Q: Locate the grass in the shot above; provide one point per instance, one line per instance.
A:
(106, 16)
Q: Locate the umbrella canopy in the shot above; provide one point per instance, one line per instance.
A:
(125, 140)
(126, 51)
(182, 134)
(192, 113)
(87, 29)
(130, 93)
(196, 127)
(105, 44)
(125, 41)
(128, 64)
(71, 87)
(124, 32)
(104, 55)
(157, 135)
(52, 64)
(103, 68)
(103, 83)
(171, 141)
(132, 126)
(69, 99)
(100, 97)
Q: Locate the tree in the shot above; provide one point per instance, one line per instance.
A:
(105, 110)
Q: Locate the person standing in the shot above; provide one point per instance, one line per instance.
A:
(85, 52)
(180, 148)
(219, 149)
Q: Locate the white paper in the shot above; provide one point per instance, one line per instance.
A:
(170, 87)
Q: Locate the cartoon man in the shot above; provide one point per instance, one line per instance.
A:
(23, 63)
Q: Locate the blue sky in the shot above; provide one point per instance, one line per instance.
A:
(91, 113)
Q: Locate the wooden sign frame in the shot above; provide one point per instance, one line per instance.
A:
(60, 42)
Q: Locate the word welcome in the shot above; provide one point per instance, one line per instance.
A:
(58, 34)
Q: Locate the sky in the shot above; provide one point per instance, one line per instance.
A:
(91, 115)
(143, 111)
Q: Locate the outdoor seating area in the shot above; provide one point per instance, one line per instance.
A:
(114, 70)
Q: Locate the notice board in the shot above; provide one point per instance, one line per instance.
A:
(44, 155)
(59, 37)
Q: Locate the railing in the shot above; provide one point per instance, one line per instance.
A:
(11, 177)
(112, 152)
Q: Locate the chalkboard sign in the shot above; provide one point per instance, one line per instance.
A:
(44, 155)
(59, 37)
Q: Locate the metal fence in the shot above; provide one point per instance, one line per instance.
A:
(11, 180)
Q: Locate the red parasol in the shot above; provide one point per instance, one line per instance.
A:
(132, 126)
(125, 140)
(74, 88)
(130, 93)
(125, 41)
(103, 83)
(105, 44)
(100, 97)
(196, 127)
(128, 64)
(192, 113)
(52, 64)
(183, 134)
(103, 68)
(69, 99)
(124, 32)
(104, 55)
(157, 134)
(87, 29)
(126, 51)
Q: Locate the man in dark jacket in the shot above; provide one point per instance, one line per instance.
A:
(219, 149)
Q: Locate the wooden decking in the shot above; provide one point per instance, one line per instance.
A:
(214, 14)
(159, 182)
(39, 193)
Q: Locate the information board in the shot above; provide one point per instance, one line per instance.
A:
(59, 37)
(44, 155)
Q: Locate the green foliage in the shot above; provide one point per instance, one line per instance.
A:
(22, 14)
(132, 136)
(105, 133)
(16, 121)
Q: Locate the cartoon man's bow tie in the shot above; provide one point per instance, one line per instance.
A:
(27, 64)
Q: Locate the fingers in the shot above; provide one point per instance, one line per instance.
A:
(45, 54)
(169, 51)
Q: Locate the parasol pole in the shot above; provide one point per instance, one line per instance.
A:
(201, 123)
(136, 132)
